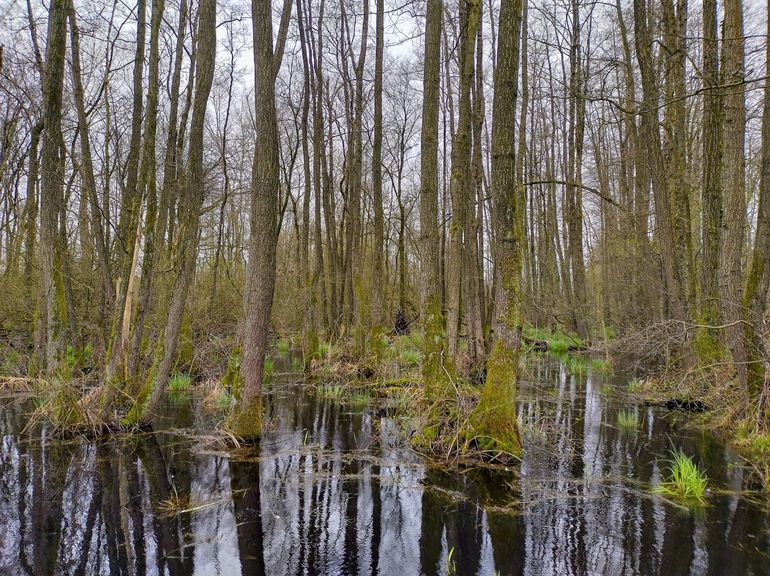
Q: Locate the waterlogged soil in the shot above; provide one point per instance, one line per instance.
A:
(334, 489)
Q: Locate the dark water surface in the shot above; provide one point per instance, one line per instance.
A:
(333, 490)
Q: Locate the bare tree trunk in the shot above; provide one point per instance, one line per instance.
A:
(461, 183)
(378, 280)
(170, 159)
(246, 419)
(430, 274)
(712, 185)
(755, 296)
(734, 185)
(654, 162)
(574, 191)
(310, 323)
(53, 311)
(148, 188)
(225, 174)
(319, 156)
(494, 419)
(128, 232)
(87, 173)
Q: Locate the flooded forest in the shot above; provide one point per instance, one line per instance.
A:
(432, 288)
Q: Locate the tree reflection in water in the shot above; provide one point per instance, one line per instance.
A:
(331, 490)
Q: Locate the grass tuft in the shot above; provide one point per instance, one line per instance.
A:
(601, 365)
(282, 347)
(686, 482)
(634, 385)
(179, 383)
(628, 419)
(575, 365)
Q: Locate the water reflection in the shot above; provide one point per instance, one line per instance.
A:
(332, 490)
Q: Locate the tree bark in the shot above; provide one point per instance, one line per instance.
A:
(711, 196)
(494, 419)
(53, 310)
(378, 280)
(734, 185)
(756, 293)
(246, 418)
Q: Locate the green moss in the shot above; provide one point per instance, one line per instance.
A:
(437, 370)
(494, 418)
(245, 419)
(232, 379)
(186, 347)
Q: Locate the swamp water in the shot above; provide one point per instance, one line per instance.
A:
(332, 489)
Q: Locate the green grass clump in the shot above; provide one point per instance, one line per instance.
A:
(406, 350)
(401, 400)
(223, 400)
(575, 365)
(179, 382)
(324, 348)
(360, 399)
(333, 392)
(634, 385)
(411, 357)
(282, 347)
(628, 419)
(601, 365)
(686, 483)
(268, 371)
(559, 343)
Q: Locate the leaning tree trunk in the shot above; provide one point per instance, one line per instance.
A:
(149, 399)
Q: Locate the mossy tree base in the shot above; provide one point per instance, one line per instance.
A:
(494, 419)
(245, 420)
